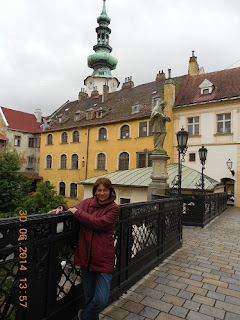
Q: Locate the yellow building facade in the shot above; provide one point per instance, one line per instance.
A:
(120, 140)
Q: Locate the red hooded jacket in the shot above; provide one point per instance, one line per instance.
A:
(95, 250)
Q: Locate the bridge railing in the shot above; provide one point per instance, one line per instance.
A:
(199, 210)
(38, 279)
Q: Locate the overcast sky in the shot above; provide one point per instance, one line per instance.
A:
(44, 44)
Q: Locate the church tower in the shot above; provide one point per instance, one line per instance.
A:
(102, 62)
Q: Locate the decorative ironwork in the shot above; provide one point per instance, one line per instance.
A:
(145, 234)
(68, 273)
(200, 209)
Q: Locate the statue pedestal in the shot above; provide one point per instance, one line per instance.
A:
(159, 174)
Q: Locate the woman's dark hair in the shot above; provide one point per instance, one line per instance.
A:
(107, 184)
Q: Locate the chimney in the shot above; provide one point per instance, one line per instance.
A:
(193, 65)
(160, 76)
(105, 93)
(128, 84)
(38, 115)
(82, 95)
(95, 93)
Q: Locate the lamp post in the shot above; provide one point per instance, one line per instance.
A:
(203, 157)
(182, 138)
(229, 166)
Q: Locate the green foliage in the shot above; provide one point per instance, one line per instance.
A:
(14, 186)
(43, 200)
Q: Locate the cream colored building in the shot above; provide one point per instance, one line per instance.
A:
(208, 108)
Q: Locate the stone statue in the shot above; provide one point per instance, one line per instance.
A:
(158, 119)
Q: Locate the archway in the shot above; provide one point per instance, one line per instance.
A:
(229, 188)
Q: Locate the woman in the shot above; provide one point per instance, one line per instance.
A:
(95, 252)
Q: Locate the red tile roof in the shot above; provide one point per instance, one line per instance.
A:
(21, 121)
(226, 86)
(3, 137)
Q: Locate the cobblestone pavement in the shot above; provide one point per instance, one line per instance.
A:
(200, 281)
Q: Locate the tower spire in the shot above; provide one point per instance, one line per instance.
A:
(102, 62)
(104, 8)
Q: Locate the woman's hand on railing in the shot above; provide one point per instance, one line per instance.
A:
(73, 210)
(57, 211)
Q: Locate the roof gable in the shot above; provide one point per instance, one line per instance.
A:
(22, 121)
(205, 84)
(226, 86)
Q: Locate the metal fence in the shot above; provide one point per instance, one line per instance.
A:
(38, 279)
(199, 210)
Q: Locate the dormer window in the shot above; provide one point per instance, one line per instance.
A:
(59, 119)
(205, 91)
(206, 87)
(99, 113)
(90, 114)
(136, 108)
(77, 116)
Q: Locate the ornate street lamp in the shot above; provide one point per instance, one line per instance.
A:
(203, 157)
(229, 166)
(182, 138)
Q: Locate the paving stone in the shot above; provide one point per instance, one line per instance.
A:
(228, 292)
(211, 276)
(147, 283)
(215, 295)
(133, 306)
(191, 282)
(150, 277)
(192, 315)
(209, 266)
(196, 277)
(157, 304)
(162, 280)
(119, 302)
(150, 313)
(232, 300)
(231, 280)
(191, 305)
(196, 290)
(133, 296)
(178, 285)
(173, 299)
(209, 287)
(211, 311)
(179, 311)
(234, 287)
(193, 271)
(162, 267)
(132, 316)
(204, 300)
(215, 282)
(172, 277)
(185, 294)
(115, 312)
(231, 316)
(143, 291)
(180, 273)
(228, 307)
(167, 289)
(164, 316)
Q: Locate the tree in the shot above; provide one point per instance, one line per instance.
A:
(43, 200)
(14, 187)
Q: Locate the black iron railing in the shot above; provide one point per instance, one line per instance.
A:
(199, 210)
(38, 279)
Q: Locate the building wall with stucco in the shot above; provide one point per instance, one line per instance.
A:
(221, 147)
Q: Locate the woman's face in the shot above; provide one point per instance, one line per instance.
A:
(102, 193)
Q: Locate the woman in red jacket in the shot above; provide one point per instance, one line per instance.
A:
(95, 252)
